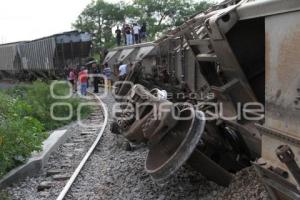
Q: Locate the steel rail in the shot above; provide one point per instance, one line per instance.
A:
(88, 154)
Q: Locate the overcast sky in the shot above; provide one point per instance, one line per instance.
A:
(30, 19)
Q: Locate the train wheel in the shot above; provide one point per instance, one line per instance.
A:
(175, 148)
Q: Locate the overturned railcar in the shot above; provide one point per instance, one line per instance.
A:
(44, 57)
(240, 58)
(144, 53)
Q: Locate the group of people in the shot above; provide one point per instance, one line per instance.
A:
(132, 34)
(80, 77)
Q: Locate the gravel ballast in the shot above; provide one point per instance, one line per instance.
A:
(62, 163)
(113, 173)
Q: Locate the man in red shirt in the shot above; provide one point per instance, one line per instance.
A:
(83, 79)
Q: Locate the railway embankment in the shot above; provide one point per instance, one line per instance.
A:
(26, 120)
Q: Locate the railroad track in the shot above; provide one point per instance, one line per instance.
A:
(122, 176)
(65, 164)
(88, 154)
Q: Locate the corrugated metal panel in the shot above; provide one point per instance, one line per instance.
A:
(124, 54)
(129, 53)
(143, 52)
(110, 55)
(8, 54)
(38, 55)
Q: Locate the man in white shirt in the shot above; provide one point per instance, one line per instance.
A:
(122, 71)
(136, 32)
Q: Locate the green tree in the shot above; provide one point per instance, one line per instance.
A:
(100, 17)
(165, 15)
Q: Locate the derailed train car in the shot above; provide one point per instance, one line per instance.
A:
(144, 53)
(44, 57)
(238, 66)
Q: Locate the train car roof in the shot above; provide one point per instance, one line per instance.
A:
(146, 44)
(69, 33)
(60, 35)
(12, 43)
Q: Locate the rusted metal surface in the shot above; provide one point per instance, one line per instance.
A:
(211, 170)
(171, 141)
(278, 187)
(283, 72)
(287, 156)
(233, 55)
(168, 155)
(282, 82)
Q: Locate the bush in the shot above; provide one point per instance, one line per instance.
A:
(20, 133)
(4, 195)
(38, 96)
(25, 118)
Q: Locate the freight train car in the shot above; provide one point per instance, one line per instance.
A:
(238, 65)
(10, 62)
(131, 54)
(44, 57)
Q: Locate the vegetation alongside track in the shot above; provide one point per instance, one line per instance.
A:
(25, 119)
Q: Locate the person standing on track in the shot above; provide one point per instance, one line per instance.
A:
(96, 78)
(122, 71)
(72, 79)
(107, 73)
(83, 79)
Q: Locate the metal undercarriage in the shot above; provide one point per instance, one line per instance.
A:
(221, 92)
